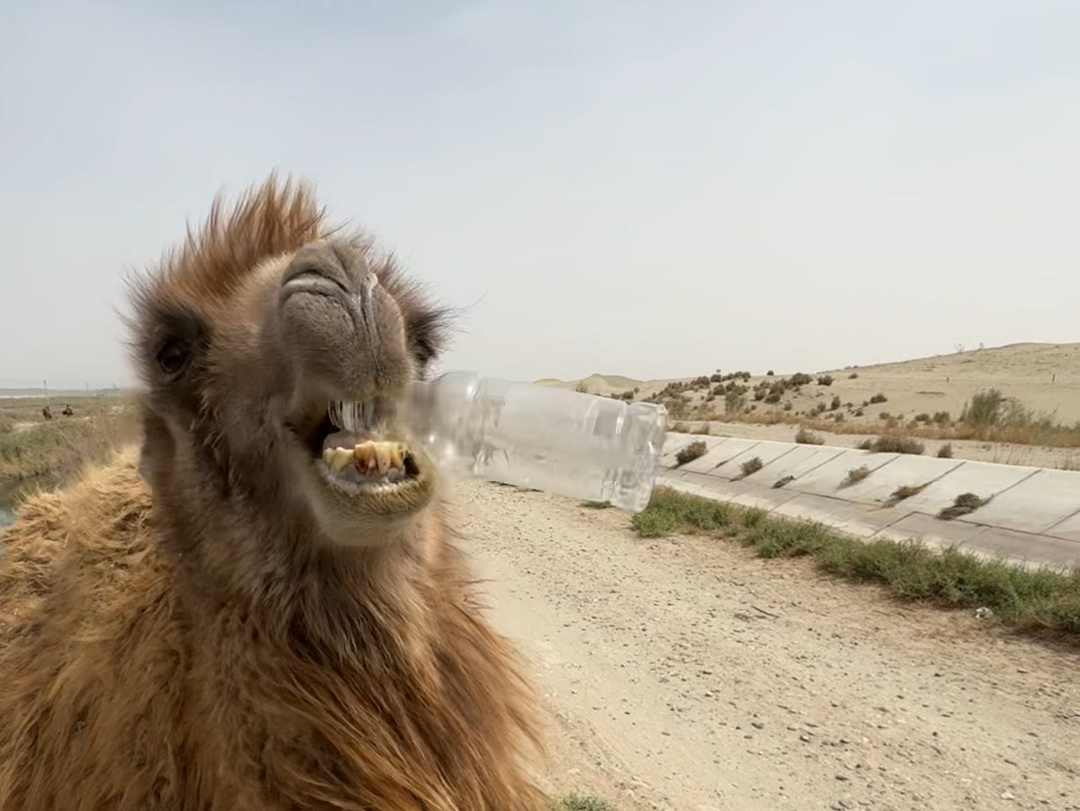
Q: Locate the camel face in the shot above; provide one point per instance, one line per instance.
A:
(246, 336)
(344, 339)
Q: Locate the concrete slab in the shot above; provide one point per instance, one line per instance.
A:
(854, 519)
(763, 498)
(936, 533)
(797, 463)
(1035, 504)
(984, 479)
(1033, 551)
(720, 453)
(1069, 529)
(674, 442)
(826, 479)
(698, 484)
(765, 450)
(905, 470)
(667, 460)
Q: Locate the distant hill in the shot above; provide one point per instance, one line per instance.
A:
(1045, 377)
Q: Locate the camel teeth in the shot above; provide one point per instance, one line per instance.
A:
(337, 458)
(379, 457)
(382, 457)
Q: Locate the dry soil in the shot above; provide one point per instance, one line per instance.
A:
(686, 674)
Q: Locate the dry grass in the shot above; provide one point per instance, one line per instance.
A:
(1036, 601)
(695, 450)
(855, 475)
(893, 443)
(1038, 432)
(804, 437)
(51, 452)
(751, 466)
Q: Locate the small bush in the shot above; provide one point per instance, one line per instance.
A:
(945, 451)
(825, 380)
(907, 491)
(800, 379)
(769, 373)
(751, 466)
(942, 417)
(878, 398)
(985, 408)
(891, 443)
(772, 398)
(924, 417)
(963, 504)
(853, 376)
(855, 475)
(835, 404)
(865, 445)
(787, 406)
(695, 450)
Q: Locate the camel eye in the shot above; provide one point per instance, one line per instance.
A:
(172, 357)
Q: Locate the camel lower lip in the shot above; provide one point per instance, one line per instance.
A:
(373, 485)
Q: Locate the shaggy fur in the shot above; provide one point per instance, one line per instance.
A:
(193, 646)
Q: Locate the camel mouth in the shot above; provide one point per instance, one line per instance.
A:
(358, 450)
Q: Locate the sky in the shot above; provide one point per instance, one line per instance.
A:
(638, 188)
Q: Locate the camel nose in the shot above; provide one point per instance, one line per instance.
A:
(317, 268)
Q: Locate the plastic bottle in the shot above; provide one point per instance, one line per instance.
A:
(550, 439)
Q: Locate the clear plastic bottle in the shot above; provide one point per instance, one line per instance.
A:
(550, 439)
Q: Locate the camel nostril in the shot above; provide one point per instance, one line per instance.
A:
(314, 278)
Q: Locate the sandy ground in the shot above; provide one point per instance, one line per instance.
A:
(684, 674)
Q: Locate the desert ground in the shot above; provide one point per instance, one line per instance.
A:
(685, 674)
(1039, 423)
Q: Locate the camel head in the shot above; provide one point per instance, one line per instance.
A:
(244, 335)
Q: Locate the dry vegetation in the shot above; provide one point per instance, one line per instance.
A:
(1035, 601)
(1025, 395)
(33, 450)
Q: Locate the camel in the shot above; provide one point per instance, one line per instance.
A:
(226, 617)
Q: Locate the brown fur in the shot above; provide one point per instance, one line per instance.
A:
(199, 645)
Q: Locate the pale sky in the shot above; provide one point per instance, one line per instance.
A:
(640, 188)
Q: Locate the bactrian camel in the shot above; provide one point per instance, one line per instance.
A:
(254, 610)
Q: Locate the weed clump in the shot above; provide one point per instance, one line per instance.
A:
(751, 466)
(695, 450)
(963, 504)
(891, 443)
(855, 475)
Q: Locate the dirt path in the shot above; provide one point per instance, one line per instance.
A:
(685, 674)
